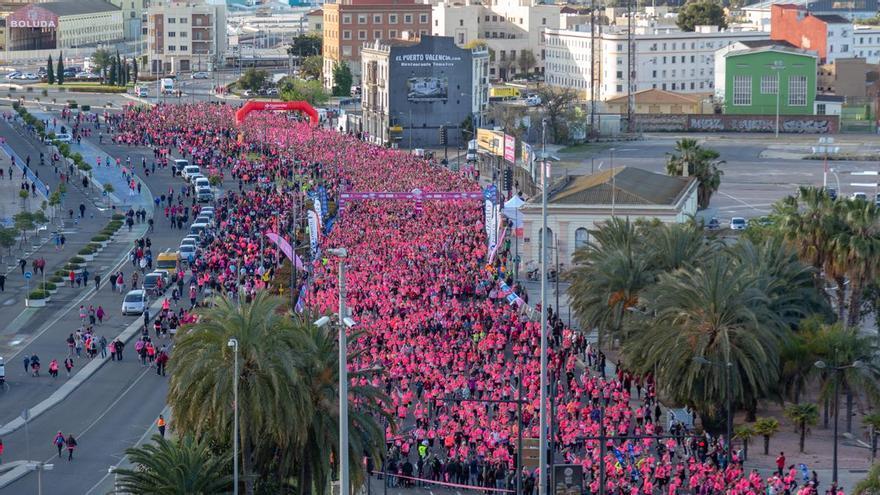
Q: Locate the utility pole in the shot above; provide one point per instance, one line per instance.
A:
(593, 89)
(544, 487)
(630, 67)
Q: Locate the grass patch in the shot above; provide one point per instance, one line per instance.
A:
(585, 148)
(84, 87)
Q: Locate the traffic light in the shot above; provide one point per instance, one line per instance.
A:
(443, 136)
(508, 179)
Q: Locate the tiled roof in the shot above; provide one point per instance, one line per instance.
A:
(631, 186)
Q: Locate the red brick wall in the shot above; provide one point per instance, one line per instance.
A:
(796, 26)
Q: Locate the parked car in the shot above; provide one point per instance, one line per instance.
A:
(713, 224)
(187, 251)
(200, 182)
(135, 302)
(200, 75)
(533, 101)
(737, 223)
(859, 196)
(63, 137)
(205, 195)
(189, 171)
(832, 193)
(151, 282)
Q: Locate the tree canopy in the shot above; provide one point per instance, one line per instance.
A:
(701, 13)
(292, 89)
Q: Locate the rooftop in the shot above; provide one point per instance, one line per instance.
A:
(659, 96)
(631, 186)
(77, 7)
(763, 43)
(831, 18)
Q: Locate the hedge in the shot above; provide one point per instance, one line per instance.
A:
(57, 279)
(72, 267)
(38, 294)
(76, 260)
(87, 250)
(118, 217)
(62, 274)
(48, 286)
(101, 238)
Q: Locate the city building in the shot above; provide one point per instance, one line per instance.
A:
(866, 43)
(852, 9)
(185, 35)
(349, 24)
(410, 89)
(513, 30)
(578, 204)
(59, 25)
(315, 21)
(132, 17)
(829, 35)
(758, 81)
(665, 58)
(849, 77)
(659, 102)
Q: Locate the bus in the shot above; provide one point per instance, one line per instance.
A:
(167, 85)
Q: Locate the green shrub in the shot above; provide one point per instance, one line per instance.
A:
(76, 259)
(38, 294)
(57, 279)
(47, 286)
(118, 216)
(63, 274)
(85, 167)
(72, 267)
(87, 250)
(100, 238)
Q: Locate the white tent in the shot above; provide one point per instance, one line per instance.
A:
(511, 211)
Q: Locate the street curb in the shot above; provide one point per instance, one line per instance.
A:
(75, 381)
(15, 470)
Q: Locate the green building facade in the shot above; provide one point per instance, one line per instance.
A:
(751, 77)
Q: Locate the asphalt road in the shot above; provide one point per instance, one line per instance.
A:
(111, 411)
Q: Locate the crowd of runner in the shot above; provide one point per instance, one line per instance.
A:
(420, 282)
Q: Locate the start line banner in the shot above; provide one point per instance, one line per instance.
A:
(352, 196)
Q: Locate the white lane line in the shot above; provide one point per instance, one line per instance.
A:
(150, 429)
(738, 200)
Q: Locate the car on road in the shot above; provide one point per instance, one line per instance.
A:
(168, 261)
(877, 199)
(713, 224)
(533, 101)
(13, 75)
(187, 251)
(135, 302)
(203, 219)
(179, 164)
(859, 196)
(152, 281)
(205, 195)
(142, 92)
(29, 76)
(87, 75)
(207, 210)
(63, 137)
(201, 182)
(189, 171)
(737, 223)
(832, 193)
(200, 75)
(198, 228)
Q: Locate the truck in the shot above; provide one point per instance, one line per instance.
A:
(167, 85)
(471, 155)
(499, 93)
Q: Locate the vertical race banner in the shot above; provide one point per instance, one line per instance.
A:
(313, 233)
(490, 195)
(509, 148)
(319, 209)
(322, 195)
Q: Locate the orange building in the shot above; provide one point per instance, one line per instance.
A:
(348, 24)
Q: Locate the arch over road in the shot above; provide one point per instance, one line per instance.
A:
(274, 106)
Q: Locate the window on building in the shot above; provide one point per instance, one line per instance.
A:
(620, 88)
(502, 54)
(184, 20)
(673, 86)
(171, 34)
(172, 20)
(543, 54)
(653, 73)
(362, 34)
(423, 18)
(620, 74)
(797, 91)
(423, 32)
(392, 18)
(664, 87)
(742, 90)
(581, 238)
(171, 48)
(362, 18)
(461, 23)
(377, 35)
(392, 33)
(346, 51)
(346, 18)
(543, 21)
(820, 109)
(183, 48)
(346, 35)
(844, 48)
(407, 18)
(673, 59)
(377, 18)
(769, 85)
(664, 60)
(693, 58)
(460, 38)
(692, 85)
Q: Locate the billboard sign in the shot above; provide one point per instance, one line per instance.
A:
(32, 16)
(568, 479)
(490, 141)
(427, 88)
(509, 148)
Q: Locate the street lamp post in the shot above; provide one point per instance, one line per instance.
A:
(233, 343)
(836, 370)
(778, 66)
(39, 467)
(728, 389)
(344, 323)
(544, 487)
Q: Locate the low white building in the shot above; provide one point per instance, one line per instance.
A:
(578, 204)
(866, 43)
(185, 35)
(666, 58)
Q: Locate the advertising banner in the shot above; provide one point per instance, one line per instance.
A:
(32, 16)
(313, 233)
(443, 195)
(490, 195)
(491, 141)
(319, 209)
(286, 249)
(568, 479)
(509, 148)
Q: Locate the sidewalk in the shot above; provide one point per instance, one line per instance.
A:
(10, 202)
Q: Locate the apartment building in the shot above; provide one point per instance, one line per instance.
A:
(829, 35)
(666, 58)
(185, 35)
(132, 16)
(58, 25)
(512, 29)
(349, 24)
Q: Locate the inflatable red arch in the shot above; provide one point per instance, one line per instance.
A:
(256, 105)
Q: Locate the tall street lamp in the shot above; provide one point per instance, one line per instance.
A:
(777, 66)
(728, 389)
(233, 343)
(822, 365)
(344, 323)
(544, 487)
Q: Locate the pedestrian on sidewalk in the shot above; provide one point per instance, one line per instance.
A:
(119, 346)
(53, 368)
(68, 365)
(103, 343)
(97, 281)
(161, 361)
(59, 442)
(160, 424)
(113, 282)
(71, 445)
(2, 282)
(100, 314)
(22, 263)
(27, 364)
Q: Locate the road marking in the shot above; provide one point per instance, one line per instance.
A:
(738, 200)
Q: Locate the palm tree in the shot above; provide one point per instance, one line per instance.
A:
(674, 246)
(273, 405)
(321, 440)
(744, 433)
(797, 356)
(766, 427)
(701, 163)
(803, 415)
(871, 484)
(714, 311)
(872, 421)
(857, 251)
(607, 277)
(170, 467)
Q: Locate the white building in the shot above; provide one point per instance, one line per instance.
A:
(866, 43)
(185, 35)
(513, 30)
(666, 58)
(578, 204)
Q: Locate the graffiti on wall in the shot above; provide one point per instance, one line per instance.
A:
(789, 124)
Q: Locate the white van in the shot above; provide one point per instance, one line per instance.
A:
(189, 171)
